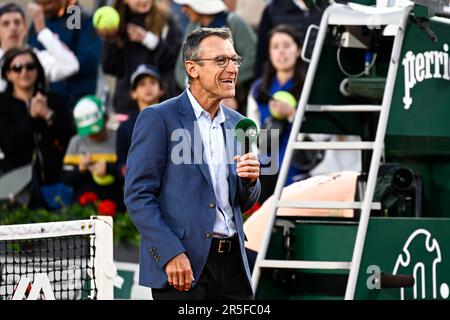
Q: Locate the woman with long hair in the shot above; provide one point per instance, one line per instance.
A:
(35, 125)
(284, 72)
(147, 34)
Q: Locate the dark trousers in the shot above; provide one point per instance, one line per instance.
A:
(223, 277)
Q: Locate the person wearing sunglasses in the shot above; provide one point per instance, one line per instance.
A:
(59, 62)
(35, 125)
(189, 211)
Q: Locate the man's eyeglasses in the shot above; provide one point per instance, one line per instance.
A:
(223, 61)
(18, 67)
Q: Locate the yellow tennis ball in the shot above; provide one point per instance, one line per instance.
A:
(106, 18)
(285, 97)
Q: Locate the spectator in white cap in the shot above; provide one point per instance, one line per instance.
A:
(214, 14)
(90, 163)
(146, 90)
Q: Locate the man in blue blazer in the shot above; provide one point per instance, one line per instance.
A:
(186, 183)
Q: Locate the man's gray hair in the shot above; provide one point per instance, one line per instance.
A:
(192, 43)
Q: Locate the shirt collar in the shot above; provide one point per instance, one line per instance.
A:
(199, 111)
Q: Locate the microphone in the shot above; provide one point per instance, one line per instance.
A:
(246, 133)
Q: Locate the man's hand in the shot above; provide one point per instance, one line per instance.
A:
(36, 14)
(39, 107)
(179, 272)
(247, 166)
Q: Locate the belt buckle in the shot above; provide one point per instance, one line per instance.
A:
(221, 242)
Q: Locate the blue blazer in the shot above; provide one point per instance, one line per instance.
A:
(172, 204)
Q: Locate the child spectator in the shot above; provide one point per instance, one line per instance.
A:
(146, 35)
(91, 159)
(146, 90)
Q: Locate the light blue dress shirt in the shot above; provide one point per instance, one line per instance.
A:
(215, 155)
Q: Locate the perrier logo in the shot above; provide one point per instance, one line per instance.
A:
(423, 66)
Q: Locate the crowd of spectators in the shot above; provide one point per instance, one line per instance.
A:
(51, 118)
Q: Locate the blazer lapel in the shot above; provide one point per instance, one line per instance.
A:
(228, 128)
(189, 122)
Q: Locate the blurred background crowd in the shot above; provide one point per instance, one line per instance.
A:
(70, 93)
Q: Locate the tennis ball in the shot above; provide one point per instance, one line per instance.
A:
(106, 18)
(285, 97)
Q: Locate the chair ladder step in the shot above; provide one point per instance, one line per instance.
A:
(333, 145)
(325, 205)
(344, 108)
(299, 264)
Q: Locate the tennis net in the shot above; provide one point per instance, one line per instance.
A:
(70, 260)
